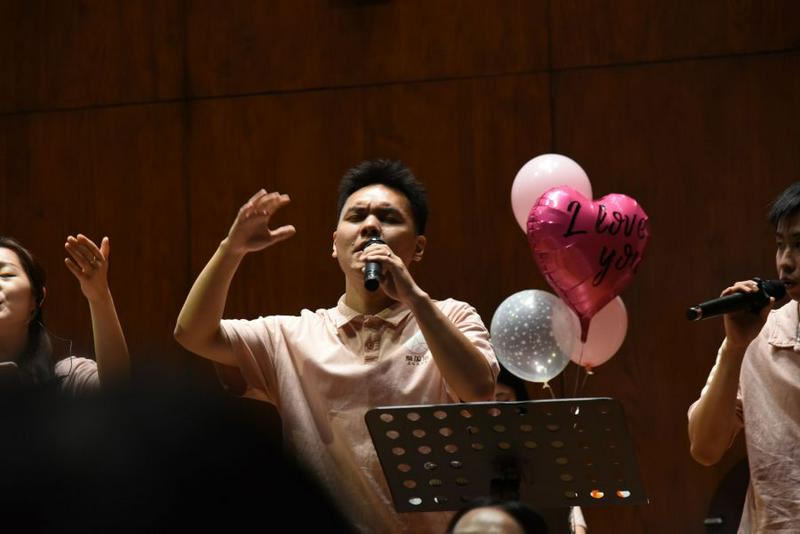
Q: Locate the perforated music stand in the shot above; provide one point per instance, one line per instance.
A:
(547, 453)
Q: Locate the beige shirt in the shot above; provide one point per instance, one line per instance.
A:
(323, 370)
(77, 376)
(768, 406)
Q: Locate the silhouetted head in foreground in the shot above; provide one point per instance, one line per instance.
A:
(497, 516)
(148, 460)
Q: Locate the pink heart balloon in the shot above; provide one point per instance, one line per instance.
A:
(587, 251)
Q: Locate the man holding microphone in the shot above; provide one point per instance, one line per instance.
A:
(755, 385)
(324, 369)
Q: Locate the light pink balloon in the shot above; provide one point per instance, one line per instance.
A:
(606, 334)
(540, 174)
(588, 251)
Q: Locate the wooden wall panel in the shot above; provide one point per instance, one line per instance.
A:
(115, 172)
(78, 53)
(295, 144)
(289, 45)
(704, 146)
(625, 31)
(465, 139)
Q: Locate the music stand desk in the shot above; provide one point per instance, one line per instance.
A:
(546, 453)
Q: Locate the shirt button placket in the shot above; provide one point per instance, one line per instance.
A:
(373, 343)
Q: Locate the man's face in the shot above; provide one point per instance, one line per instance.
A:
(375, 210)
(787, 255)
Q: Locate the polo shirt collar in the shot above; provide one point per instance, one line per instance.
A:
(393, 315)
(786, 328)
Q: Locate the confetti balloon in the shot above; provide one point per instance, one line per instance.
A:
(533, 334)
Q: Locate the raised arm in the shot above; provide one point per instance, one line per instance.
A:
(198, 328)
(462, 365)
(713, 420)
(89, 264)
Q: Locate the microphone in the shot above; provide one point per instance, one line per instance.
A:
(372, 269)
(751, 302)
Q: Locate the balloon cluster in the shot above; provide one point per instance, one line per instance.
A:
(588, 251)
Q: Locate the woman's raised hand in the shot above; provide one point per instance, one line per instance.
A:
(89, 264)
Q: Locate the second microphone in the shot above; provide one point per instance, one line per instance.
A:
(739, 301)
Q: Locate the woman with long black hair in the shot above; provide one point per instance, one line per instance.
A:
(26, 350)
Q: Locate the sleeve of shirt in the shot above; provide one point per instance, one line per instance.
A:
(739, 410)
(253, 347)
(469, 323)
(78, 376)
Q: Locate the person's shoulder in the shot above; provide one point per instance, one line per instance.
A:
(452, 303)
(273, 326)
(784, 317)
(319, 312)
(77, 376)
(263, 321)
(788, 310)
(74, 364)
(780, 328)
(458, 310)
(304, 319)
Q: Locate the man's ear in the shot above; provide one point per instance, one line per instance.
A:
(419, 250)
(333, 253)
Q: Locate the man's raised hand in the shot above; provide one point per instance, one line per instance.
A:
(250, 231)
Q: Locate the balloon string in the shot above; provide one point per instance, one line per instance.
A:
(578, 373)
(589, 372)
(546, 385)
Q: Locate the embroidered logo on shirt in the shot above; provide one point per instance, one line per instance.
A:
(417, 350)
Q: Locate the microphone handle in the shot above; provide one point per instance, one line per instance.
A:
(372, 275)
(372, 269)
(727, 304)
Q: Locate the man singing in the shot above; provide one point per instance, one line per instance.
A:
(755, 385)
(323, 370)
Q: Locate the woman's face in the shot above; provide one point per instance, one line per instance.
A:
(17, 303)
(504, 393)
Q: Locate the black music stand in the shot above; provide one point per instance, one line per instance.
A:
(546, 453)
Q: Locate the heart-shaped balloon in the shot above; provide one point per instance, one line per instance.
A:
(587, 251)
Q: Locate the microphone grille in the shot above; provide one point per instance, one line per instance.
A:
(774, 288)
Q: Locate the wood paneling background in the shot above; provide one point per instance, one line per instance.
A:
(151, 122)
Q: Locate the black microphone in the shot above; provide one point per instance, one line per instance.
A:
(372, 269)
(751, 302)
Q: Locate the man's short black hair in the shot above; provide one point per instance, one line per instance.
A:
(786, 205)
(391, 173)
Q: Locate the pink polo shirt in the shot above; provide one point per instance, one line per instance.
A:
(323, 370)
(768, 404)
